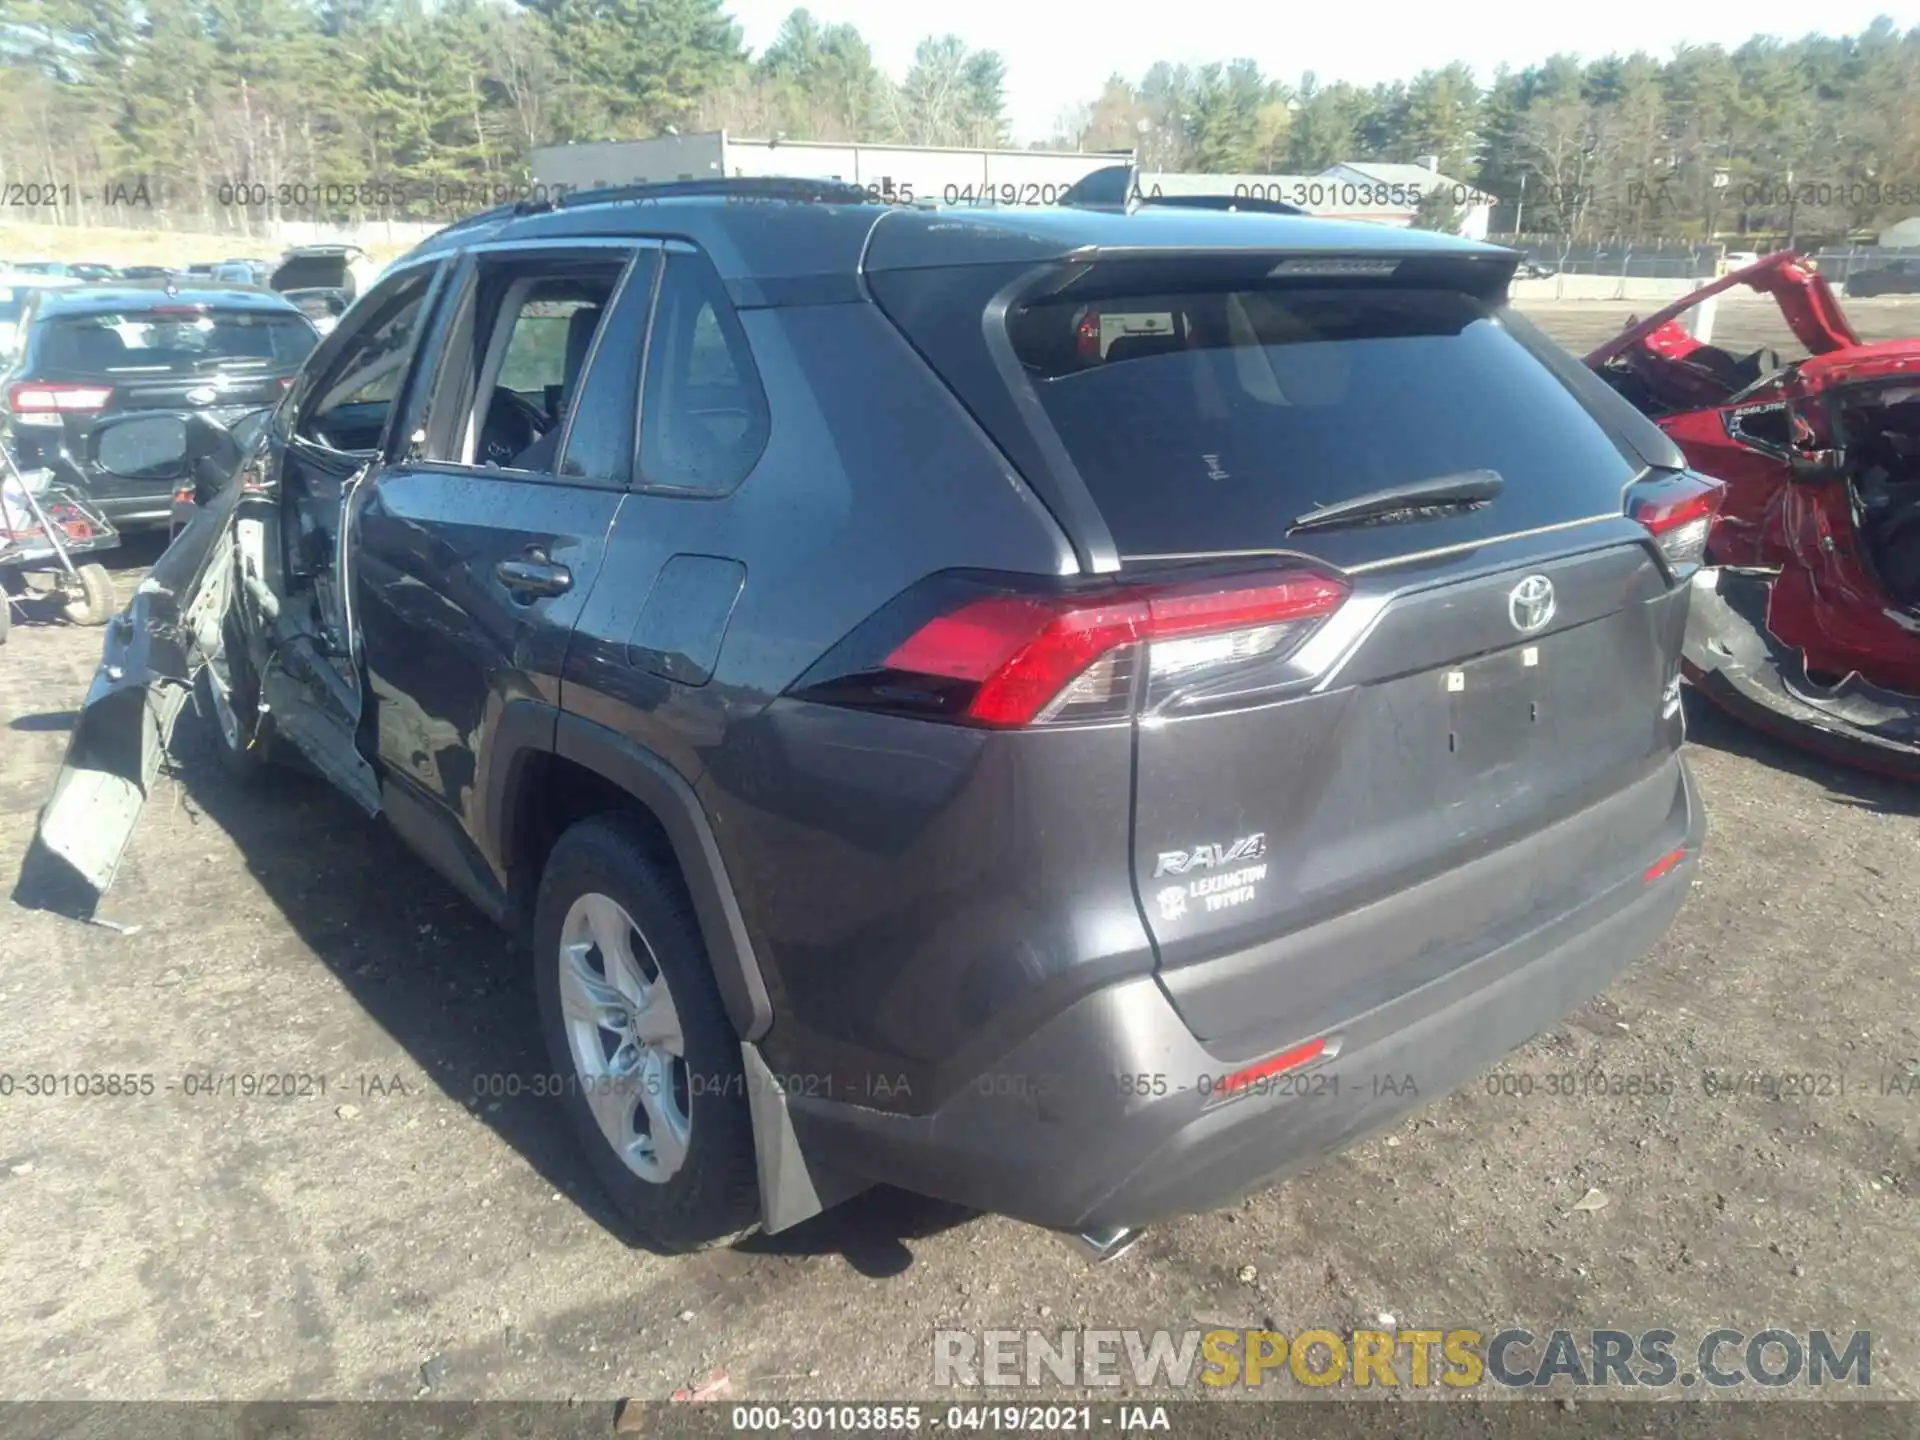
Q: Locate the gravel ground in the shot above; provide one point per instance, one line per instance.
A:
(402, 1234)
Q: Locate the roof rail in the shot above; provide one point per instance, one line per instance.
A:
(764, 187)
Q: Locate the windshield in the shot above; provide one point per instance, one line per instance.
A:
(150, 342)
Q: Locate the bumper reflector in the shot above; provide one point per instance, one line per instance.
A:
(1664, 864)
(1286, 1060)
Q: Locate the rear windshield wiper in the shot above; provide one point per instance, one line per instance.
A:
(1417, 500)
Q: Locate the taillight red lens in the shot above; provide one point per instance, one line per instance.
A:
(1009, 658)
(1086, 337)
(25, 397)
(1021, 651)
(1679, 514)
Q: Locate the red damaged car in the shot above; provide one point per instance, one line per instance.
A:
(1807, 621)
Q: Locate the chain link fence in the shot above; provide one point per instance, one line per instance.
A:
(1837, 263)
(1621, 258)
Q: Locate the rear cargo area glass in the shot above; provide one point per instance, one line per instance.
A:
(1254, 407)
(136, 343)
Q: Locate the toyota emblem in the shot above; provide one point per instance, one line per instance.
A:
(202, 395)
(1530, 604)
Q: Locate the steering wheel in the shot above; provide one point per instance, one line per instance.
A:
(513, 423)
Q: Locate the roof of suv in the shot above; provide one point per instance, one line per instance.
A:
(753, 236)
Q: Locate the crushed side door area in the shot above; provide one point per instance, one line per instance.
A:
(153, 651)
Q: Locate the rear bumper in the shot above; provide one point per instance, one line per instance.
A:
(1112, 1113)
(1734, 661)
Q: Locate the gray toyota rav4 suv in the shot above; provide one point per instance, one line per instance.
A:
(1074, 712)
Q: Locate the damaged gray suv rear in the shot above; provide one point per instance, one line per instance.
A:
(1040, 708)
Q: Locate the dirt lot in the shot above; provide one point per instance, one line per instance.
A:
(402, 1232)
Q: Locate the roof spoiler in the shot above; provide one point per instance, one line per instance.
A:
(1116, 189)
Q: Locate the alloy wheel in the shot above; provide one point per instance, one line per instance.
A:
(629, 1052)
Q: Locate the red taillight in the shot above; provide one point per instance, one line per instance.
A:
(27, 397)
(1086, 337)
(1286, 1060)
(1678, 514)
(1020, 651)
(1005, 659)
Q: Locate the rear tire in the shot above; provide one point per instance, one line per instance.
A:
(93, 605)
(635, 1027)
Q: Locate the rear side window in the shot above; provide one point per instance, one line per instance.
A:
(516, 357)
(173, 342)
(1210, 420)
(703, 415)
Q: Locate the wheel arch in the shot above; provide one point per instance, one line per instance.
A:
(552, 768)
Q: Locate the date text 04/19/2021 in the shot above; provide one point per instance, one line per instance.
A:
(966, 1418)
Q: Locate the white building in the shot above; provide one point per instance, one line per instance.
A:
(904, 172)
(1904, 235)
(1382, 193)
(1357, 191)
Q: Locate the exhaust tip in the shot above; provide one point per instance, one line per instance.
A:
(1101, 1245)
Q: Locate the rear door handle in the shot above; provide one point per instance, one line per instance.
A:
(533, 576)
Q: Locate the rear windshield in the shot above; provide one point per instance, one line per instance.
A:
(1207, 420)
(150, 343)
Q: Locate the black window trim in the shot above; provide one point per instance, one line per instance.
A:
(1733, 416)
(471, 258)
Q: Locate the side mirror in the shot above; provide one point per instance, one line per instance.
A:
(213, 454)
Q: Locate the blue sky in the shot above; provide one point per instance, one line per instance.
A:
(1059, 51)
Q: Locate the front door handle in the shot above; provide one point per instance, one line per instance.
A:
(533, 576)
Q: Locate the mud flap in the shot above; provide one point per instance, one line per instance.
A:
(152, 652)
(792, 1187)
(1737, 663)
